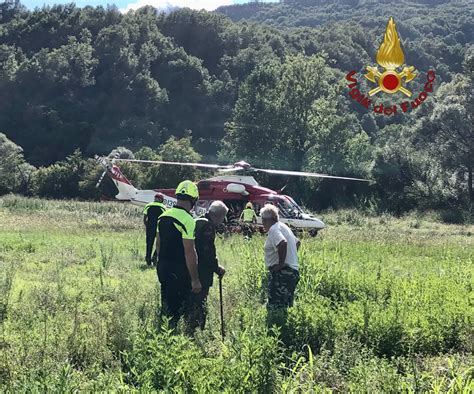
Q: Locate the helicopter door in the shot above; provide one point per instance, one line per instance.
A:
(235, 209)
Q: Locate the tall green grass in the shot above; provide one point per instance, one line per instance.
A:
(383, 305)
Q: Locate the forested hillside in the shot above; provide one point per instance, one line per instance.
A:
(261, 82)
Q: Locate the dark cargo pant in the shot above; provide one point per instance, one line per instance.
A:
(196, 312)
(150, 241)
(281, 293)
(175, 293)
(281, 287)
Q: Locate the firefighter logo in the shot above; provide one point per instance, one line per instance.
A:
(390, 57)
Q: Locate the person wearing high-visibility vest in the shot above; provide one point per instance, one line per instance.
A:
(248, 215)
(177, 258)
(151, 213)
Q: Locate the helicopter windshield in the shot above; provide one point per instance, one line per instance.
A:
(289, 208)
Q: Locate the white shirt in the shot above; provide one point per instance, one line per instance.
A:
(277, 233)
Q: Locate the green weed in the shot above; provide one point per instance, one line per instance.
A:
(384, 305)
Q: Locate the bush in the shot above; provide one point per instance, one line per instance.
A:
(15, 172)
(60, 180)
(455, 216)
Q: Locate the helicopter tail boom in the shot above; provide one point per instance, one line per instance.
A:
(125, 188)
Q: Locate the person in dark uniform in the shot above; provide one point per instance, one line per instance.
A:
(208, 264)
(151, 213)
(177, 259)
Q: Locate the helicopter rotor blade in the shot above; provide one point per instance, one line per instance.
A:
(233, 169)
(308, 174)
(175, 163)
(100, 179)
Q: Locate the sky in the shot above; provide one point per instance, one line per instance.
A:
(125, 5)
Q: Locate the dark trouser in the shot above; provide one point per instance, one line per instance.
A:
(247, 229)
(175, 293)
(196, 313)
(150, 241)
(281, 287)
(281, 292)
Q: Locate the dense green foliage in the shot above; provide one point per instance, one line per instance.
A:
(15, 173)
(383, 305)
(260, 82)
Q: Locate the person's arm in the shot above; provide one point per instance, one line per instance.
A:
(282, 249)
(191, 263)
(218, 269)
(145, 215)
(157, 244)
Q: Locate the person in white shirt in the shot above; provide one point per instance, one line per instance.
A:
(281, 259)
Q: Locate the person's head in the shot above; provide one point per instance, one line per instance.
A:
(269, 214)
(159, 197)
(249, 205)
(217, 212)
(187, 194)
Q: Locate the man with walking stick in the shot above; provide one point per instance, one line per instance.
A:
(205, 235)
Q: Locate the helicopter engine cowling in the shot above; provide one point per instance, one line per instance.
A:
(236, 188)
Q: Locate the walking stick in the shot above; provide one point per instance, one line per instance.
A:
(222, 308)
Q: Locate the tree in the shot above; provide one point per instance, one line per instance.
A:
(61, 179)
(448, 133)
(120, 152)
(289, 115)
(252, 131)
(15, 173)
(177, 150)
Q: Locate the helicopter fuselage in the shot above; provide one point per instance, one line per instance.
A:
(235, 191)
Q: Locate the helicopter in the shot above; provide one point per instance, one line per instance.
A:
(235, 186)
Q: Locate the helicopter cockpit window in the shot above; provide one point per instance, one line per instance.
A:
(289, 209)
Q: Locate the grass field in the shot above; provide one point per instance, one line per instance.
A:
(383, 305)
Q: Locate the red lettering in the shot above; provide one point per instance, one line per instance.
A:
(354, 93)
(349, 77)
(387, 111)
(378, 109)
(428, 87)
(365, 102)
(415, 103)
(359, 99)
(423, 96)
(431, 76)
(405, 105)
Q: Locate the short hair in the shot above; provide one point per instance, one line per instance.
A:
(218, 208)
(269, 212)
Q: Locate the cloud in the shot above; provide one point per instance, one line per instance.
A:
(169, 5)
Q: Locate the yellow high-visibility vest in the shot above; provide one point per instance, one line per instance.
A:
(248, 214)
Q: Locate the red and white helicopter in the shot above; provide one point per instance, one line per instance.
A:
(235, 187)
